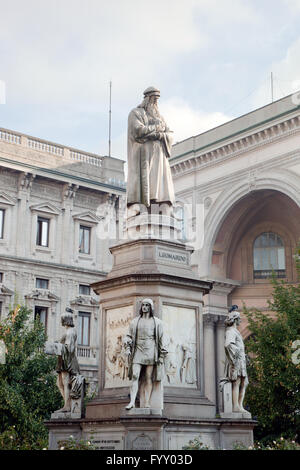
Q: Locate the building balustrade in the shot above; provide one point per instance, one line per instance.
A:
(10, 137)
(83, 351)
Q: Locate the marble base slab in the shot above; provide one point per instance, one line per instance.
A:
(143, 412)
(236, 415)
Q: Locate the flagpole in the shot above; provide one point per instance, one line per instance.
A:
(109, 123)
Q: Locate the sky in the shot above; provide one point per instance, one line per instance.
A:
(211, 59)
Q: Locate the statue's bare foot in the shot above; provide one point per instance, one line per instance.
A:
(64, 410)
(128, 407)
(147, 405)
(235, 409)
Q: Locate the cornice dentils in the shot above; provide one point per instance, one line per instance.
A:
(240, 145)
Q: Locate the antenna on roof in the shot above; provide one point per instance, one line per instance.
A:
(109, 122)
(272, 88)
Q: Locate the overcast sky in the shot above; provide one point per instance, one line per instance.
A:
(211, 59)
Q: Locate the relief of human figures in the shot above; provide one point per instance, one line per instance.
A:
(117, 360)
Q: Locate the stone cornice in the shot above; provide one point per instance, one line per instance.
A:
(169, 279)
(35, 262)
(60, 176)
(203, 158)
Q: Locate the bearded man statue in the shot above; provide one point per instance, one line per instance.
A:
(149, 149)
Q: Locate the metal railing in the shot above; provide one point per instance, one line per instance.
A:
(267, 273)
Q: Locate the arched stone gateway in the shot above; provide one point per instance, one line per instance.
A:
(271, 220)
(238, 198)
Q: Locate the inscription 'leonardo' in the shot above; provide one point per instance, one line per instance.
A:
(167, 255)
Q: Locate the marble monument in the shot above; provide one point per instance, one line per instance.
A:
(165, 362)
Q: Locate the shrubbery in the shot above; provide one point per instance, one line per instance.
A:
(28, 391)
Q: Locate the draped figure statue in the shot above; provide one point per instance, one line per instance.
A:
(149, 149)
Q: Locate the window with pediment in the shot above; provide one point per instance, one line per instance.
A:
(42, 234)
(84, 239)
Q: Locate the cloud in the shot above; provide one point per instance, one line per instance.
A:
(57, 59)
(67, 51)
(286, 77)
(293, 4)
(186, 121)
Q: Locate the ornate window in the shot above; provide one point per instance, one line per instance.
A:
(84, 239)
(41, 283)
(268, 256)
(84, 289)
(41, 314)
(42, 235)
(84, 328)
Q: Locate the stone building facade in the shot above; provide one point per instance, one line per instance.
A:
(241, 185)
(55, 204)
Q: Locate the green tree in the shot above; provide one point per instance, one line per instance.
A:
(28, 393)
(273, 394)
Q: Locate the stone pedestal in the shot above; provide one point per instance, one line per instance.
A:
(152, 226)
(227, 400)
(160, 270)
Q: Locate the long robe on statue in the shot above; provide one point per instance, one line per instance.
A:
(149, 173)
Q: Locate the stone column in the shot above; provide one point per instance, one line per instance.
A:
(220, 359)
(209, 357)
(67, 226)
(23, 214)
(216, 305)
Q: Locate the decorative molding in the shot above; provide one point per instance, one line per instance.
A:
(46, 207)
(233, 149)
(5, 290)
(42, 294)
(69, 190)
(84, 300)
(88, 216)
(210, 319)
(6, 199)
(26, 180)
(278, 163)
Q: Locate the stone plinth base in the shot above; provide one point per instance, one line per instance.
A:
(227, 402)
(142, 412)
(159, 226)
(152, 432)
(236, 415)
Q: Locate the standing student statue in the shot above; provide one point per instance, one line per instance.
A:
(235, 362)
(149, 149)
(145, 349)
